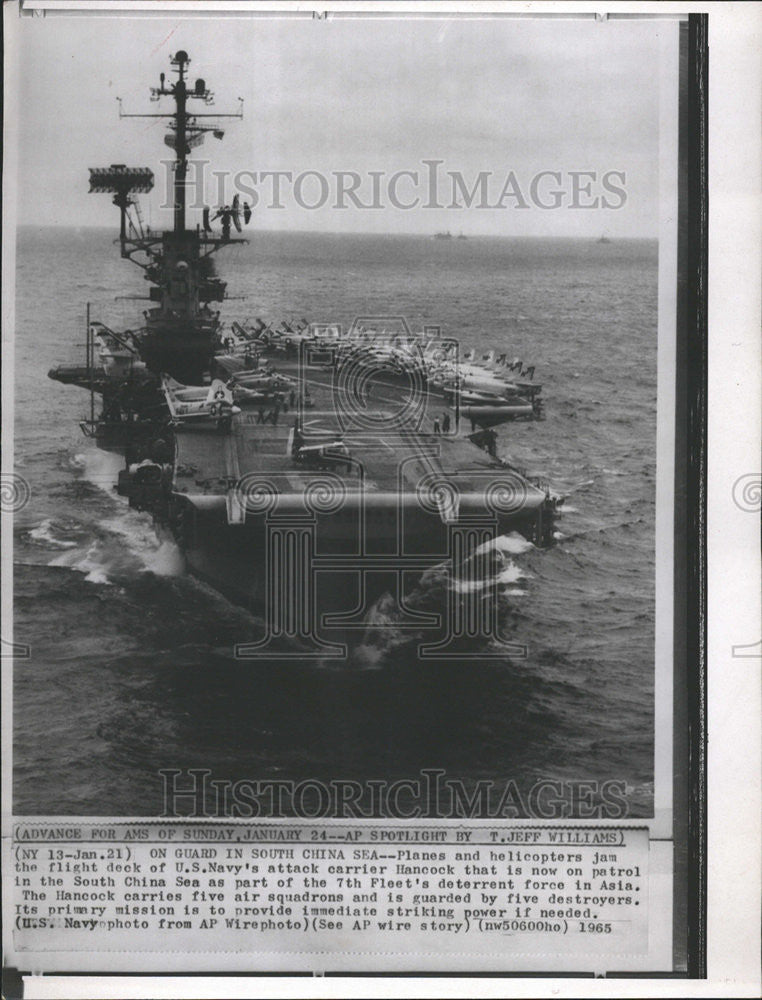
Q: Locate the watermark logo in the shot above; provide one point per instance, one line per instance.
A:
(15, 492)
(429, 794)
(747, 496)
(748, 651)
(747, 492)
(14, 650)
(427, 185)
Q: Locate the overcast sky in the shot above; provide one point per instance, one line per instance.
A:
(357, 94)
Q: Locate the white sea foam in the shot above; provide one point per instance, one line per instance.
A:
(381, 634)
(90, 563)
(367, 656)
(491, 564)
(511, 574)
(159, 554)
(469, 586)
(127, 545)
(580, 486)
(130, 544)
(74, 462)
(511, 544)
(101, 468)
(44, 532)
(508, 572)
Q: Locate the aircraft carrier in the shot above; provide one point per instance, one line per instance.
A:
(304, 469)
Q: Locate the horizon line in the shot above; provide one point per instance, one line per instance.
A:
(363, 232)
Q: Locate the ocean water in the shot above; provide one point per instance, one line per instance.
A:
(131, 667)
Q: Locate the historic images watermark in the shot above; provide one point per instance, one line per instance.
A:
(747, 492)
(747, 496)
(429, 185)
(378, 379)
(15, 492)
(431, 794)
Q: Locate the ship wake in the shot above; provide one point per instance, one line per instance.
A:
(492, 573)
(123, 547)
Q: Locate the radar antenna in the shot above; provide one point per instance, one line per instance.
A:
(185, 130)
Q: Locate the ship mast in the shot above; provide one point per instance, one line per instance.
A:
(186, 131)
(181, 327)
(180, 93)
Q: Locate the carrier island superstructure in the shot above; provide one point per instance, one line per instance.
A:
(304, 469)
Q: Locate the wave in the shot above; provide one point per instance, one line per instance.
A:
(511, 574)
(125, 546)
(101, 468)
(121, 545)
(513, 543)
(604, 528)
(384, 632)
(579, 486)
(159, 554)
(490, 569)
(46, 533)
(91, 563)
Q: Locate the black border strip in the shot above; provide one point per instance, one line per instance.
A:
(690, 806)
(698, 264)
